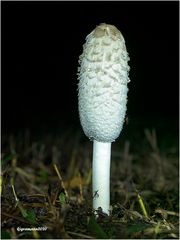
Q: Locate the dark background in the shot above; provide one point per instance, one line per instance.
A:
(41, 44)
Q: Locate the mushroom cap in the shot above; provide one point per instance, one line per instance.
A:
(103, 78)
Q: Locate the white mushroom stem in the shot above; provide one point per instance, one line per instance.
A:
(101, 176)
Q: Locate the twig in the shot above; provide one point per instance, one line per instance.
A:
(14, 217)
(80, 188)
(80, 235)
(60, 178)
(164, 212)
(15, 196)
(24, 173)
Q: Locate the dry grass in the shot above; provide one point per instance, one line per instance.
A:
(46, 184)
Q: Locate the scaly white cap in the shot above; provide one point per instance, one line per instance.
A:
(103, 78)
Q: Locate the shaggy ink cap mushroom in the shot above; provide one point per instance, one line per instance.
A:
(103, 78)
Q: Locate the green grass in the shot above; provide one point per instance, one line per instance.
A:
(46, 184)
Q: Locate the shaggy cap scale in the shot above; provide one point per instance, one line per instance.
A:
(103, 78)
